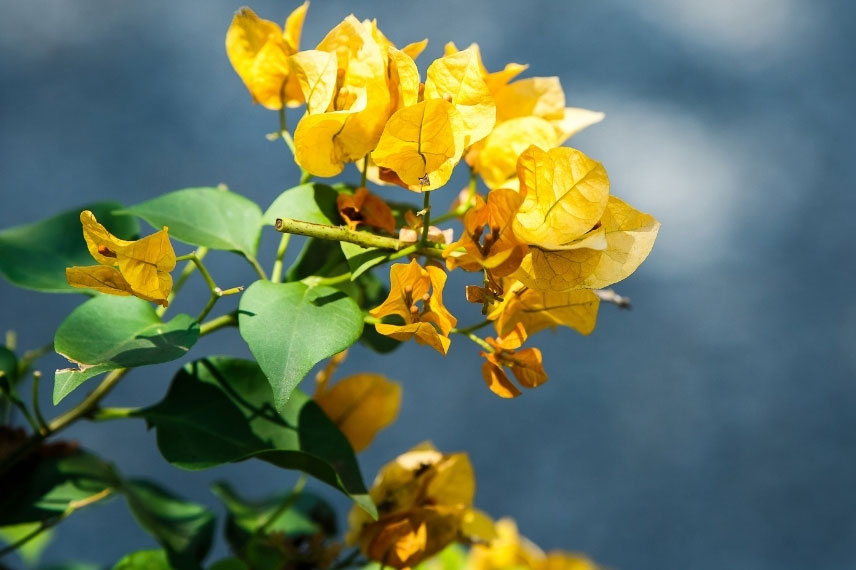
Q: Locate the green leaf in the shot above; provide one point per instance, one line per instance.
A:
(34, 256)
(290, 327)
(307, 515)
(219, 410)
(310, 202)
(319, 257)
(184, 529)
(47, 482)
(144, 560)
(30, 551)
(361, 259)
(209, 217)
(110, 332)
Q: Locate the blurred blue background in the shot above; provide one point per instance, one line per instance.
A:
(711, 427)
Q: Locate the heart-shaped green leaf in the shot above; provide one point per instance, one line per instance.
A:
(311, 202)
(209, 217)
(34, 256)
(290, 327)
(219, 410)
(109, 332)
(184, 529)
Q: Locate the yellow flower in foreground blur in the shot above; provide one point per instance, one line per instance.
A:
(259, 51)
(139, 268)
(423, 499)
(510, 551)
(409, 286)
(360, 405)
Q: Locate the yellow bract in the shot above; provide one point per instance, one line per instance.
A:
(423, 498)
(622, 242)
(316, 73)
(539, 310)
(363, 207)
(495, 249)
(457, 79)
(350, 125)
(528, 112)
(526, 364)
(422, 144)
(259, 50)
(565, 195)
(140, 268)
(360, 405)
(409, 286)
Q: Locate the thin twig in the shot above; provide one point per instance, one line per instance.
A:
(610, 296)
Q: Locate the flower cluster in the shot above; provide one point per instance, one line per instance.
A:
(547, 234)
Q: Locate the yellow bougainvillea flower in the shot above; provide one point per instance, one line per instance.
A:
(351, 124)
(409, 286)
(529, 111)
(422, 143)
(606, 255)
(457, 79)
(259, 51)
(423, 498)
(565, 195)
(496, 79)
(497, 249)
(363, 207)
(140, 268)
(360, 405)
(539, 310)
(526, 364)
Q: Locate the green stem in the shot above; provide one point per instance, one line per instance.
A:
(426, 218)
(470, 335)
(336, 233)
(37, 409)
(55, 520)
(12, 395)
(364, 239)
(276, 272)
(287, 503)
(109, 413)
(474, 327)
(189, 267)
(315, 281)
(215, 324)
(257, 266)
(365, 171)
(11, 340)
(462, 208)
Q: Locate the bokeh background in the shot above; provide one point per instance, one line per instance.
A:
(711, 427)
